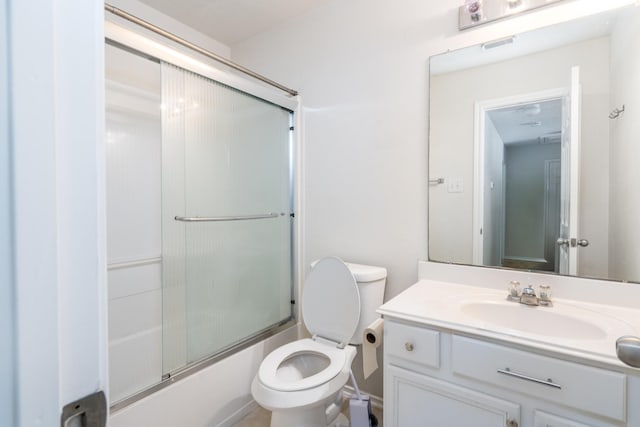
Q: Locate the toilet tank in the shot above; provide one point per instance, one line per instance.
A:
(371, 282)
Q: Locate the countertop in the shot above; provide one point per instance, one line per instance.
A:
(575, 329)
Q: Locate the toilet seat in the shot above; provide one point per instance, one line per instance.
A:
(330, 311)
(267, 373)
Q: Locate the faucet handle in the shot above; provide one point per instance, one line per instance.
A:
(545, 295)
(514, 290)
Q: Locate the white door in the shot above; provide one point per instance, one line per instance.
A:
(570, 159)
(56, 110)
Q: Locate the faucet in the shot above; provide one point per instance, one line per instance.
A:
(529, 297)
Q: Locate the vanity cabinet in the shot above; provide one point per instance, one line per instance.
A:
(443, 379)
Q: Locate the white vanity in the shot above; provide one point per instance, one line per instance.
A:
(462, 355)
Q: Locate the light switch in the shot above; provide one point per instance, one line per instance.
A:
(454, 185)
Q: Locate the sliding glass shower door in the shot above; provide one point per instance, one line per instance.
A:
(226, 223)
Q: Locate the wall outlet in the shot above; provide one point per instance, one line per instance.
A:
(454, 185)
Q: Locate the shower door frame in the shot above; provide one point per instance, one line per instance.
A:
(199, 64)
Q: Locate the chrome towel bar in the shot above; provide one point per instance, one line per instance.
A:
(226, 218)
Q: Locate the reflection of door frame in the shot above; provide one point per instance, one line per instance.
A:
(550, 243)
(481, 108)
(570, 176)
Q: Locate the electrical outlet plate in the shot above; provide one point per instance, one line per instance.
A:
(479, 12)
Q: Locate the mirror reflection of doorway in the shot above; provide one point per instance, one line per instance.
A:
(521, 189)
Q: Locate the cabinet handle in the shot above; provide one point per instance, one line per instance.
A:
(408, 346)
(512, 423)
(548, 382)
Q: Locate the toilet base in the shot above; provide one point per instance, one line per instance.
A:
(310, 417)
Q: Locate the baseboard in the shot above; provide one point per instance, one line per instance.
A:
(234, 418)
(376, 401)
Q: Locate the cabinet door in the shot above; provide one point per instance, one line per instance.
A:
(542, 419)
(413, 399)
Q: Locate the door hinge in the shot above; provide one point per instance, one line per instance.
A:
(90, 411)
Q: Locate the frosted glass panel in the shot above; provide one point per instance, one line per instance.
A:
(133, 202)
(225, 154)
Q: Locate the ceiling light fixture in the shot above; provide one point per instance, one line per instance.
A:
(532, 124)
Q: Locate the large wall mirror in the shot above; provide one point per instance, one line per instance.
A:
(534, 150)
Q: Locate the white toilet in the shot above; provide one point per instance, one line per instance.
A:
(301, 382)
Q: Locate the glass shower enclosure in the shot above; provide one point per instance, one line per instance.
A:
(199, 197)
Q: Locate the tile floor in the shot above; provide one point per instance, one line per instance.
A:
(260, 417)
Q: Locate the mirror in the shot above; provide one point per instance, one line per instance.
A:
(534, 150)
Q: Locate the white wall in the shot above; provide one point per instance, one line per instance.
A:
(624, 251)
(360, 67)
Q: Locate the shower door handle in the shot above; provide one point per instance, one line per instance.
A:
(226, 218)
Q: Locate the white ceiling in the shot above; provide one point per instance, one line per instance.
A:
(232, 21)
(539, 122)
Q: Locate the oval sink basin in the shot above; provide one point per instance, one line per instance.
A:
(534, 320)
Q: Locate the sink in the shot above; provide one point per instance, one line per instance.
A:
(534, 320)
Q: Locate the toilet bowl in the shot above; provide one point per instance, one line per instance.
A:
(301, 382)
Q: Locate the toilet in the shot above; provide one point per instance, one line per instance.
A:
(301, 382)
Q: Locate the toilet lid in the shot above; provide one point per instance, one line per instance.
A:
(331, 301)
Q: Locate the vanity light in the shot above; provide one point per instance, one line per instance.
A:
(514, 5)
(476, 12)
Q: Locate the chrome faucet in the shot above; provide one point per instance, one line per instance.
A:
(529, 297)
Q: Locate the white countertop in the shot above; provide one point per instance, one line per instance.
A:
(577, 329)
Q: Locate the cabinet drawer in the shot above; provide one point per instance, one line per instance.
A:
(412, 343)
(586, 388)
